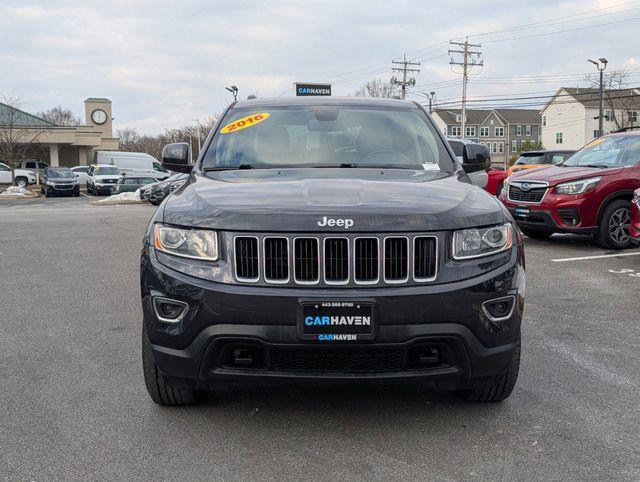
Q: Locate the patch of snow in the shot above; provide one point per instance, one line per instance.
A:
(122, 198)
(15, 191)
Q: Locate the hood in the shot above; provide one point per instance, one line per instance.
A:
(308, 200)
(111, 177)
(556, 174)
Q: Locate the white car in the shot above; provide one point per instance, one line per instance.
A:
(102, 179)
(22, 176)
(81, 173)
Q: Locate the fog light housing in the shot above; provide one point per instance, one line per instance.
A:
(168, 310)
(500, 309)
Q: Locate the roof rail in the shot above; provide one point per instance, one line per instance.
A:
(625, 129)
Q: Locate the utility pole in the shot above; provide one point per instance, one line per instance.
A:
(432, 94)
(404, 70)
(468, 62)
(600, 64)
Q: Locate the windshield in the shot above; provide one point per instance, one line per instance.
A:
(106, 171)
(327, 136)
(60, 174)
(176, 177)
(613, 151)
(530, 159)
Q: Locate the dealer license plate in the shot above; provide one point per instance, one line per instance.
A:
(521, 212)
(334, 321)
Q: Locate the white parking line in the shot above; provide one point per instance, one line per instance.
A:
(582, 258)
(85, 195)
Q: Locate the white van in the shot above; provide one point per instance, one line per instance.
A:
(132, 163)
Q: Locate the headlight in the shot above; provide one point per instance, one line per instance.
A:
(188, 243)
(49, 183)
(162, 185)
(578, 187)
(476, 242)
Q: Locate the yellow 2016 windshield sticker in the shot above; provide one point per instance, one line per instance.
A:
(245, 122)
(595, 142)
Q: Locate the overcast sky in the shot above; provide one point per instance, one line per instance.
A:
(165, 63)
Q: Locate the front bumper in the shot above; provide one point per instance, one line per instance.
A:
(445, 320)
(63, 191)
(558, 213)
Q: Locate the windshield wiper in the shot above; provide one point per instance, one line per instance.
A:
(602, 166)
(228, 168)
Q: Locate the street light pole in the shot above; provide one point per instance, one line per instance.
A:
(432, 94)
(234, 91)
(600, 64)
(198, 124)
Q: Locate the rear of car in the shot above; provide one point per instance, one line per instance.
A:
(590, 193)
(534, 159)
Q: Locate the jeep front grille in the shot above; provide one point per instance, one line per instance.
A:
(247, 261)
(276, 260)
(424, 258)
(327, 259)
(336, 260)
(366, 260)
(306, 256)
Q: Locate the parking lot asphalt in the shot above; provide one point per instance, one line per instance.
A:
(75, 407)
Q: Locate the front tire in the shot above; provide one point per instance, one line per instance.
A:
(613, 231)
(160, 390)
(500, 387)
(22, 182)
(536, 234)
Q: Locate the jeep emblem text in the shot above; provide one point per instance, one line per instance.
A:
(346, 223)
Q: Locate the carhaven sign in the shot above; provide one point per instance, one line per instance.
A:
(312, 89)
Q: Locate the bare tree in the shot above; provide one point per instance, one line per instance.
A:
(376, 88)
(16, 132)
(132, 141)
(618, 100)
(60, 116)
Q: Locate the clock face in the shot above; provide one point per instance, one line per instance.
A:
(99, 116)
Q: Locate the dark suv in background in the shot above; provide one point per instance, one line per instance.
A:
(589, 193)
(59, 181)
(326, 240)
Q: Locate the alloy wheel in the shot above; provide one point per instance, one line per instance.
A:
(619, 226)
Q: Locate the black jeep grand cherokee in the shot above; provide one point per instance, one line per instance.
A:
(330, 240)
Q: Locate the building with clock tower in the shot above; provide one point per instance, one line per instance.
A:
(64, 145)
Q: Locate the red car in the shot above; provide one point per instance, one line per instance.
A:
(589, 193)
(634, 228)
(495, 181)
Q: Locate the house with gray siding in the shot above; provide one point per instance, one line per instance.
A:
(503, 131)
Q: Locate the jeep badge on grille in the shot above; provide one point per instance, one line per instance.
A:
(346, 223)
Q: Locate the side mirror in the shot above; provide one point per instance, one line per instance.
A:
(475, 158)
(175, 157)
